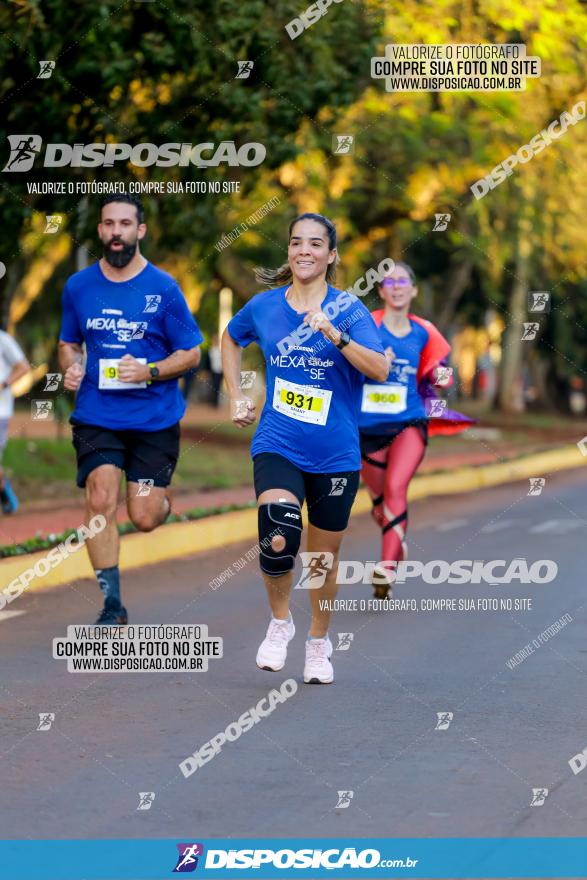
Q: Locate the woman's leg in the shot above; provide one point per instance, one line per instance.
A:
(405, 454)
(322, 541)
(279, 586)
(373, 466)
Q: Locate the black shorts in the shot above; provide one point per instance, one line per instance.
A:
(329, 497)
(371, 443)
(142, 455)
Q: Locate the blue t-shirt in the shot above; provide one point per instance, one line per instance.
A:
(396, 400)
(146, 317)
(313, 392)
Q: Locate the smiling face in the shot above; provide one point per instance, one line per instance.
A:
(120, 232)
(397, 290)
(308, 252)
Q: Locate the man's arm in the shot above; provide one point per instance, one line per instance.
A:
(70, 362)
(178, 363)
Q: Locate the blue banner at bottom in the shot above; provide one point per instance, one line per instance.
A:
(293, 857)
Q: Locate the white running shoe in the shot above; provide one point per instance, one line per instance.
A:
(273, 649)
(318, 668)
(382, 581)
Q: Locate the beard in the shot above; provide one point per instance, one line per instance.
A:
(119, 259)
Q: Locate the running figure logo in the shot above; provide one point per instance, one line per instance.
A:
(441, 222)
(344, 800)
(144, 486)
(52, 381)
(24, 148)
(338, 485)
(153, 300)
(46, 719)
(42, 410)
(443, 375)
(53, 223)
(343, 144)
(247, 379)
(244, 69)
(435, 408)
(187, 860)
(536, 485)
(539, 795)
(582, 446)
(444, 719)
(146, 799)
(46, 69)
(538, 301)
(344, 641)
(530, 330)
(315, 568)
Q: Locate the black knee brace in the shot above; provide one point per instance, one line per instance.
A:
(277, 518)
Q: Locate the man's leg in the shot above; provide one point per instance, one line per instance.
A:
(8, 499)
(148, 506)
(102, 486)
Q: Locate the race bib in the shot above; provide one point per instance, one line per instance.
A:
(108, 377)
(301, 402)
(384, 398)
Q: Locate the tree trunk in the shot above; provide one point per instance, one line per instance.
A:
(511, 400)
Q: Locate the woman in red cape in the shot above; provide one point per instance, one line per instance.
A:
(397, 416)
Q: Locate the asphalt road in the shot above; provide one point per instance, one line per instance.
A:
(372, 732)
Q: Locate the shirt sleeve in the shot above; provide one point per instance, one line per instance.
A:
(11, 350)
(362, 328)
(242, 327)
(70, 328)
(181, 328)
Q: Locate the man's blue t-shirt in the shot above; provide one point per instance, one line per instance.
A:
(397, 399)
(146, 317)
(313, 391)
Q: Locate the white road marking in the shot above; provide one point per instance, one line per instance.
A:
(496, 526)
(451, 524)
(6, 615)
(557, 526)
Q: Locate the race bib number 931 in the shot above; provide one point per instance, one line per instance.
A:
(301, 402)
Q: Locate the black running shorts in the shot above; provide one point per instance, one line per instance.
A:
(329, 497)
(142, 455)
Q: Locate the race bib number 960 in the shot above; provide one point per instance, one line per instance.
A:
(384, 398)
(301, 402)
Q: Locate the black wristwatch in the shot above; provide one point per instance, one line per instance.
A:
(154, 371)
(344, 339)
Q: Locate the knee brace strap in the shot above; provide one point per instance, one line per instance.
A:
(277, 518)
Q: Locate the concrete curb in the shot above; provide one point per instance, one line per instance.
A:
(183, 539)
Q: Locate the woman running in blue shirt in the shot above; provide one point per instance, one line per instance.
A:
(318, 343)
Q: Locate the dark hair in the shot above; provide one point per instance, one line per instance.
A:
(128, 200)
(283, 275)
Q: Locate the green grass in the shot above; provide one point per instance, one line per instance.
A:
(45, 468)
